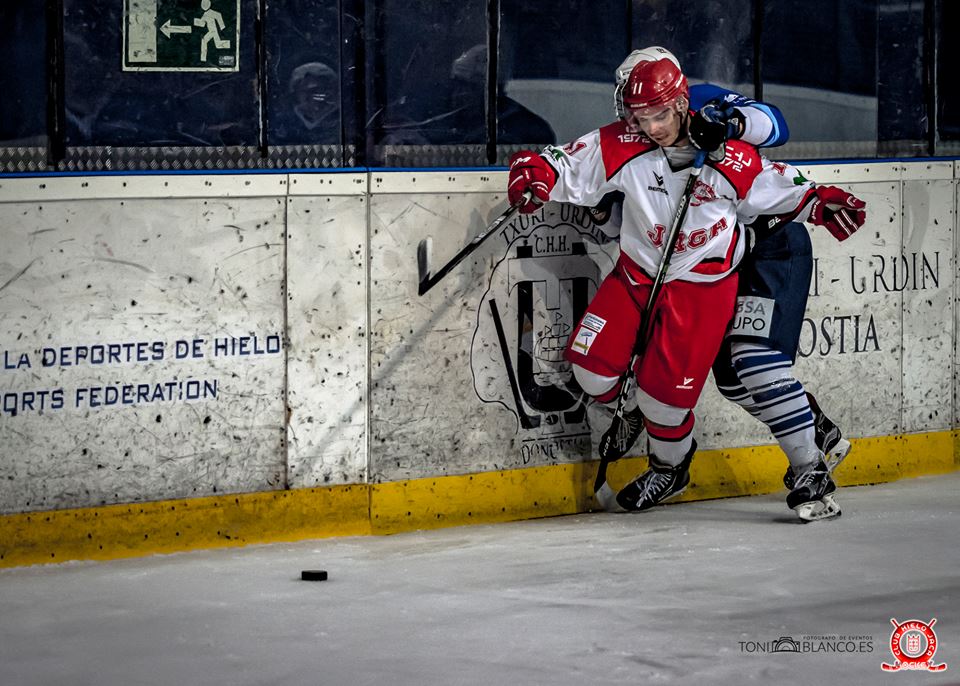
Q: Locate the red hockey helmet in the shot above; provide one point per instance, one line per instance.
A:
(656, 84)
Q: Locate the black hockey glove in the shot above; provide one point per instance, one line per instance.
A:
(715, 124)
(603, 210)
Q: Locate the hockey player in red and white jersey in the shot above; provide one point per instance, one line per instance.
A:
(647, 157)
(755, 366)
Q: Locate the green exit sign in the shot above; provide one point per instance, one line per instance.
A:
(181, 35)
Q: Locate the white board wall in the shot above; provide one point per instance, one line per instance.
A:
(154, 328)
(279, 318)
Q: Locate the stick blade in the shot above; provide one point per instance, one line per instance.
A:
(424, 250)
(607, 498)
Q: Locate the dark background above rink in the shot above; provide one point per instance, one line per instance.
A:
(345, 83)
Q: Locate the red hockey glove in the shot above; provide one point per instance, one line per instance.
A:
(839, 211)
(529, 171)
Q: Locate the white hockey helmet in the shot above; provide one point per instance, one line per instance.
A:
(654, 53)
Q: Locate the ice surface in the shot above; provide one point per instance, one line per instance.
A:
(672, 595)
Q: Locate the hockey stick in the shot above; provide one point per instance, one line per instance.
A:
(511, 374)
(424, 248)
(604, 494)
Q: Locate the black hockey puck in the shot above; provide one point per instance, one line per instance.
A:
(313, 575)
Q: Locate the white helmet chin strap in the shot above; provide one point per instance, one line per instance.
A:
(618, 105)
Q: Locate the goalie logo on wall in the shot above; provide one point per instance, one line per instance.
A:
(548, 268)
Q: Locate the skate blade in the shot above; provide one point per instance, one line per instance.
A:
(608, 499)
(675, 494)
(818, 509)
(837, 454)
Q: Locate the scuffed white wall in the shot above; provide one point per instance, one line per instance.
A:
(327, 324)
(927, 276)
(873, 331)
(853, 327)
(141, 343)
(336, 372)
(449, 395)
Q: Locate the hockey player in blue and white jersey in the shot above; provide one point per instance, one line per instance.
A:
(756, 371)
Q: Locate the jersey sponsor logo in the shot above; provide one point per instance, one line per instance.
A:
(583, 340)
(782, 168)
(685, 386)
(594, 322)
(753, 317)
(659, 187)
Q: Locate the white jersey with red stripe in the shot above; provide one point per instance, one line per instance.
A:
(729, 193)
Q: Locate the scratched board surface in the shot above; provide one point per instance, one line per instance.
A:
(141, 344)
(470, 377)
(327, 362)
(876, 345)
(142, 341)
(925, 275)
(850, 346)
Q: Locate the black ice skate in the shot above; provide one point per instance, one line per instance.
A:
(614, 445)
(659, 483)
(812, 495)
(831, 443)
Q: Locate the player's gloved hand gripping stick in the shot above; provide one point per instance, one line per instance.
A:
(713, 125)
(605, 495)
